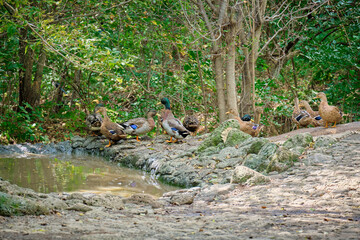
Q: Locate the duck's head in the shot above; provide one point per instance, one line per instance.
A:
(151, 113)
(101, 110)
(166, 102)
(321, 95)
(231, 111)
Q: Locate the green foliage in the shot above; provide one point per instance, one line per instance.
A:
(24, 125)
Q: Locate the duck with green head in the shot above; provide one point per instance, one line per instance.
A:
(172, 125)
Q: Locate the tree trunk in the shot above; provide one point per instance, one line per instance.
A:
(29, 90)
(26, 59)
(231, 93)
(36, 86)
(247, 102)
(218, 65)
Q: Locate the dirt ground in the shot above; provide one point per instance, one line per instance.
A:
(319, 198)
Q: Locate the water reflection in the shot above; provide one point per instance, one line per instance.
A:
(79, 174)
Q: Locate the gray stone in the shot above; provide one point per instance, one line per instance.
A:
(298, 150)
(256, 162)
(109, 201)
(79, 207)
(214, 192)
(54, 203)
(302, 139)
(324, 141)
(246, 176)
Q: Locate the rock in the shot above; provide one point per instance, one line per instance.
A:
(54, 203)
(143, 199)
(79, 207)
(256, 162)
(107, 201)
(182, 199)
(324, 141)
(215, 137)
(77, 196)
(282, 160)
(64, 147)
(246, 176)
(77, 141)
(268, 150)
(257, 144)
(15, 205)
(235, 137)
(214, 192)
(302, 139)
(318, 158)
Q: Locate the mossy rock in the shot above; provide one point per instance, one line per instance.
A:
(236, 137)
(282, 160)
(17, 206)
(299, 140)
(215, 137)
(257, 145)
(268, 150)
(256, 162)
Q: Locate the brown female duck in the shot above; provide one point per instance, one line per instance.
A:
(301, 117)
(330, 114)
(112, 131)
(191, 123)
(314, 114)
(94, 120)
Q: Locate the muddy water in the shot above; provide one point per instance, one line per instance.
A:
(47, 174)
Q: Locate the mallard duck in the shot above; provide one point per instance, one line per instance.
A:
(139, 126)
(301, 117)
(330, 114)
(172, 125)
(94, 120)
(112, 131)
(314, 114)
(191, 123)
(247, 126)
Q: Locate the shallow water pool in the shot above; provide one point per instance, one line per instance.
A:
(86, 173)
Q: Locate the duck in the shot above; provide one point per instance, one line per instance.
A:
(247, 126)
(329, 114)
(112, 131)
(314, 114)
(140, 126)
(172, 125)
(94, 119)
(301, 117)
(191, 123)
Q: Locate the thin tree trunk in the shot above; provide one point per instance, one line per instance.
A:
(230, 71)
(36, 86)
(218, 65)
